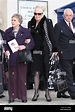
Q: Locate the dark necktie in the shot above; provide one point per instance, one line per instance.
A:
(70, 26)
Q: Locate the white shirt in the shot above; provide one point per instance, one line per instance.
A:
(73, 29)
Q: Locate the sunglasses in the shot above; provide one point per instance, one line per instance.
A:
(38, 13)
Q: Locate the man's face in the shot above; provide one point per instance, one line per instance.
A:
(68, 16)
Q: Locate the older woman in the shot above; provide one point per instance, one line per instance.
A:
(17, 71)
(41, 52)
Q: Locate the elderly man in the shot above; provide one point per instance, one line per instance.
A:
(65, 34)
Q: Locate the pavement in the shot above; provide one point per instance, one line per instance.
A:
(41, 100)
(57, 104)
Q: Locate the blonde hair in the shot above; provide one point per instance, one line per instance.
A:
(19, 17)
(41, 7)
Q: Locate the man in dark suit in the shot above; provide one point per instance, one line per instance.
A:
(65, 35)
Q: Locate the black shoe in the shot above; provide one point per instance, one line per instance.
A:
(35, 97)
(24, 101)
(11, 100)
(65, 96)
(73, 97)
(61, 95)
(47, 96)
(2, 96)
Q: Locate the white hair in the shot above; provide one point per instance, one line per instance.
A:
(68, 9)
(42, 7)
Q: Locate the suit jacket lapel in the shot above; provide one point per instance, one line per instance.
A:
(73, 24)
(66, 26)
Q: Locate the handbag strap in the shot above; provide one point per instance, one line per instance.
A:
(47, 37)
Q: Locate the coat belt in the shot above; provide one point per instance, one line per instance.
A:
(37, 52)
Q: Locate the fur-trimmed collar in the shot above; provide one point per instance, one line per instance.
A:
(33, 21)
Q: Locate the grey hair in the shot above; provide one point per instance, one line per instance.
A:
(19, 17)
(42, 7)
(68, 10)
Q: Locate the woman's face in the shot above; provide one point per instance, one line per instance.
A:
(15, 23)
(38, 14)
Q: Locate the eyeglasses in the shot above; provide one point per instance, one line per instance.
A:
(38, 13)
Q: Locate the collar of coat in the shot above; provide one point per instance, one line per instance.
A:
(33, 21)
(10, 29)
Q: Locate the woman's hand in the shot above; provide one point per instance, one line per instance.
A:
(7, 54)
(27, 41)
(56, 54)
(21, 47)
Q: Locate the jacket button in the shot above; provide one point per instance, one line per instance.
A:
(12, 73)
(61, 52)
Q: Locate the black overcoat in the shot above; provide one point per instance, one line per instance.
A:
(38, 35)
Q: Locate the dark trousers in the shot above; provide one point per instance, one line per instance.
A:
(1, 81)
(73, 70)
(67, 66)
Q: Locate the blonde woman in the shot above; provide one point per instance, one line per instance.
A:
(41, 52)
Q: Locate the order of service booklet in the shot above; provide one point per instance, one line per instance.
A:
(13, 45)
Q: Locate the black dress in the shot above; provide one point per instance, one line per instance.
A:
(37, 52)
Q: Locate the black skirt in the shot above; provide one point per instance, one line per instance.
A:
(38, 63)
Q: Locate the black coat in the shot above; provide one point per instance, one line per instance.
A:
(66, 40)
(38, 35)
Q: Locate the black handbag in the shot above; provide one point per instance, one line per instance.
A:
(60, 85)
(25, 56)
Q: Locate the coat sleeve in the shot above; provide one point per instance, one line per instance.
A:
(57, 33)
(6, 47)
(29, 24)
(31, 44)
